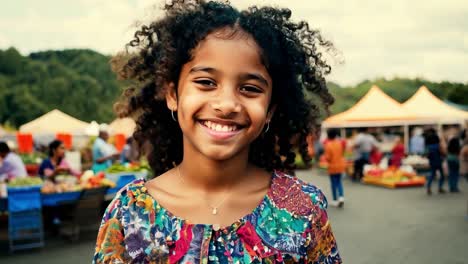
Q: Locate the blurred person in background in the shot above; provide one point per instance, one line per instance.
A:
(56, 163)
(126, 154)
(334, 155)
(376, 156)
(434, 154)
(417, 145)
(464, 159)
(453, 162)
(398, 152)
(11, 165)
(363, 145)
(103, 152)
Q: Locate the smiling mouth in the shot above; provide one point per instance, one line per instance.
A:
(221, 128)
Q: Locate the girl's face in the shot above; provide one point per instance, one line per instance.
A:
(223, 96)
(60, 151)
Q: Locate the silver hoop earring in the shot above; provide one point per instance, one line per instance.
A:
(268, 127)
(172, 114)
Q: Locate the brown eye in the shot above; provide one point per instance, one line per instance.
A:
(206, 82)
(250, 89)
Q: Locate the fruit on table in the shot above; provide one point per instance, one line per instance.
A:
(375, 172)
(60, 187)
(89, 180)
(25, 181)
(133, 167)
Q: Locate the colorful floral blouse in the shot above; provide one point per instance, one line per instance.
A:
(290, 225)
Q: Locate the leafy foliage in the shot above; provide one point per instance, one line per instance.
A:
(78, 82)
(81, 83)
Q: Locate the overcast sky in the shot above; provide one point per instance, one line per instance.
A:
(377, 38)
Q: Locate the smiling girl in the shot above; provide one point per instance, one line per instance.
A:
(218, 94)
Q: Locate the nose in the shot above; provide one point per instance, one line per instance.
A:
(226, 102)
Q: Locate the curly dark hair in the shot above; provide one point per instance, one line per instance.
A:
(292, 54)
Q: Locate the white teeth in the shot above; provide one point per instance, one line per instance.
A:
(219, 127)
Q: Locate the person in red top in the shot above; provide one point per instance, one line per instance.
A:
(334, 154)
(398, 153)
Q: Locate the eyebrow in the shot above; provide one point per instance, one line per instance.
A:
(255, 76)
(203, 69)
(244, 76)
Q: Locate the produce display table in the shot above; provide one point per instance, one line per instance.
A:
(49, 199)
(393, 178)
(392, 183)
(55, 199)
(116, 176)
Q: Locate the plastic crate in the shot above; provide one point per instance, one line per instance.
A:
(23, 223)
(25, 229)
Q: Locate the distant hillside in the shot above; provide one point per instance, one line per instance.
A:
(81, 83)
(78, 82)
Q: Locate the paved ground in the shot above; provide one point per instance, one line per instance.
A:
(376, 226)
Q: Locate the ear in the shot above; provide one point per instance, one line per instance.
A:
(171, 97)
(270, 113)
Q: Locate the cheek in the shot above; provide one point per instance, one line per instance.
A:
(189, 104)
(258, 113)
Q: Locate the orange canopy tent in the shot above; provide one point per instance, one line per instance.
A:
(429, 109)
(374, 109)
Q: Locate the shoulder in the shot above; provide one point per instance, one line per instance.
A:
(11, 156)
(132, 194)
(297, 196)
(98, 142)
(46, 162)
(295, 217)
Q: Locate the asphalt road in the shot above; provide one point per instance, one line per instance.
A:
(376, 226)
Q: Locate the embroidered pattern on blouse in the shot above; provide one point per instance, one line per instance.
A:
(290, 225)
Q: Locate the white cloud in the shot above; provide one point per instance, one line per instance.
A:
(4, 42)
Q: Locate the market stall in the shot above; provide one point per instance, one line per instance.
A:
(392, 177)
(125, 126)
(428, 109)
(54, 122)
(375, 109)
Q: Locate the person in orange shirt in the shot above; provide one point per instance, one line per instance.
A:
(334, 154)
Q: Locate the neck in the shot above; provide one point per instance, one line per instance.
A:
(56, 159)
(211, 175)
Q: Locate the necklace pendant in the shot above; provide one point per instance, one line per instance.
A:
(214, 211)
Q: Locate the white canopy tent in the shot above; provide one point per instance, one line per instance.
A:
(92, 129)
(124, 126)
(431, 110)
(375, 109)
(54, 122)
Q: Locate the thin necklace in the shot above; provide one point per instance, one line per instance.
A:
(214, 209)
